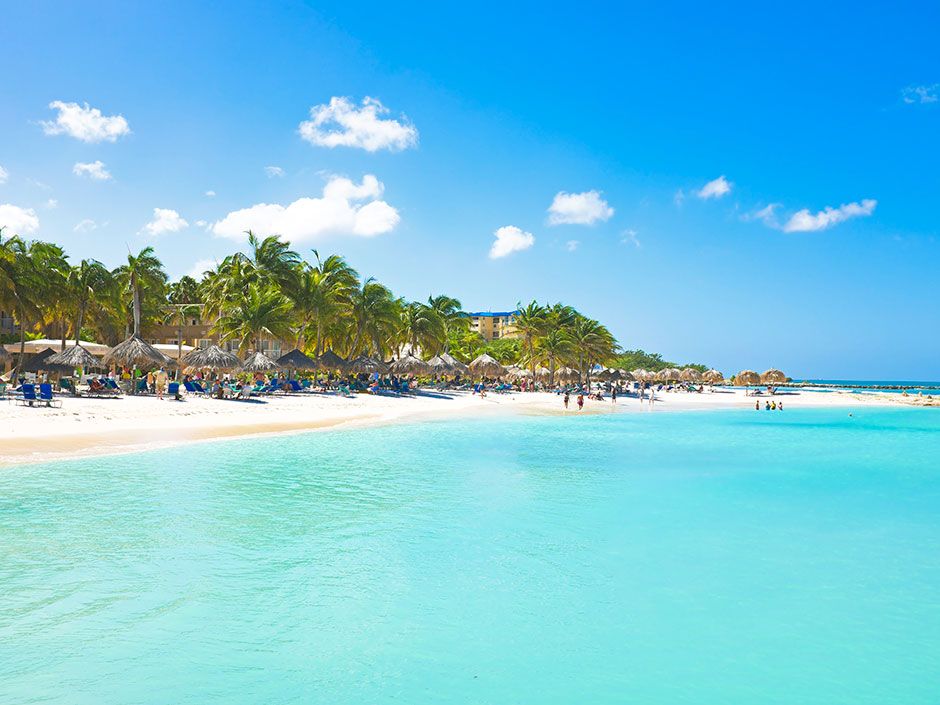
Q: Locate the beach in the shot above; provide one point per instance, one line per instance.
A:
(98, 426)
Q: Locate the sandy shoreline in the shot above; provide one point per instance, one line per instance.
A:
(89, 427)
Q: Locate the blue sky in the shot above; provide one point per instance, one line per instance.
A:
(814, 249)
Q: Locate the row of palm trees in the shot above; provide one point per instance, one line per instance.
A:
(272, 292)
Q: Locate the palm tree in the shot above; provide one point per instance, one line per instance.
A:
(144, 278)
(322, 294)
(263, 311)
(451, 312)
(273, 260)
(530, 322)
(86, 280)
(422, 327)
(184, 291)
(552, 347)
(593, 343)
(374, 316)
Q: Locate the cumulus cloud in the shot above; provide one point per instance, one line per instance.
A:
(273, 171)
(85, 226)
(165, 220)
(510, 239)
(344, 208)
(85, 123)
(803, 221)
(51, 204)
(920, 94)
(578, 208)
(715, 189)
(93, 170)
(18, 221)
(342, 124)
(210, 194)
(572, 245)
(4, 175)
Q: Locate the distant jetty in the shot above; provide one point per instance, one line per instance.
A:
(873, 387)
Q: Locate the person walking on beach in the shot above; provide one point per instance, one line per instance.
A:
(580, 402)
(613, 395)
(757, 404)
(160, 382)
(567, 397)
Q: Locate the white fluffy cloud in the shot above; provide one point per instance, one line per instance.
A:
(165, 220)
(199, 267)
(344, 208)
(273, 171)
(715, 189)
(578, 208)
(920, 94)
(85, 226)
(210, 194)
(18, 221)
(93, 170)
(342, 124)
(85, 123)
(510, 239)
(804, 221)
(4, 175)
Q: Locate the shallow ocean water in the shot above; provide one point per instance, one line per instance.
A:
(701, 557)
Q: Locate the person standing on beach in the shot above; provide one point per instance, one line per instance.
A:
(160, 381)
(567, 397)
(613, 395)
(580, 402)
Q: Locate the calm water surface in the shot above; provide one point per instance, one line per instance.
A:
(713, 557)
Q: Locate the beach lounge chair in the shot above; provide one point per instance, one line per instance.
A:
(27, 396)
(295, 385)
(45, 396)
(173, 390)
(142, 386)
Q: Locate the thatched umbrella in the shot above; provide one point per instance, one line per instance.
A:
(643, 375)
(367, 365)
(542, 372)
(211, 358)
(713, 377)
(690, 374)
(440, 366)
(74, 356)
(41, 361)
(410, 365)
(331, 361)
(773, 376)
(296, 360)
(670, 374)
(566, 374)
(136, 352)
(486, 366)
(747, 378)
(626, 376)
(516, 372)
(456, 365)
(259, 362)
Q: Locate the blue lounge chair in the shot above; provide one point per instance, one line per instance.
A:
(27, 395)
(295, 385)
(174, 391)
(142, 386)
(45, 395)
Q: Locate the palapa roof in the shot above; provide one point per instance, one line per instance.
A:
(746, 378)
(516, 372)
(440, 366)
(569, 373)
(367, 365)
(456, 364)
(297, 360)
(642, 375)
(690, 374)
(40, 361)
(487, 366)
(259, 362)
(773, 376)
(135, 351)
(668, 375)
(410, 365)
(74, 356)
(331, 361)
(713, 376)
(211, 358)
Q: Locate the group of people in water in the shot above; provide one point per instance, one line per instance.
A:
(769, 405)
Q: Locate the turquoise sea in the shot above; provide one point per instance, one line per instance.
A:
(705, 557)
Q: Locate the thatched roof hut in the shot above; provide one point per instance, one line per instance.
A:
(136, 352)
(713, 377)
(331, 361)
(440, 366)
(626, 376)
(41, 362)
(211, 358)
(566, 374)
(747, 378)
(456, 365)
(367, 365)
(410, 365)
(670, 374)
(773, 376)
(690, 374)
(516, 372)
(486, 366)
(75, 356)
(542, 372)
(296, 360)
(259, 362)
(643, 375)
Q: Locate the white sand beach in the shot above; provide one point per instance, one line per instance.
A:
(89, 426)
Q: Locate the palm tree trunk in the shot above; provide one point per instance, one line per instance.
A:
(64, 334)
(136, 305)
(78, 323)
(20, 364)
(179, 345)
